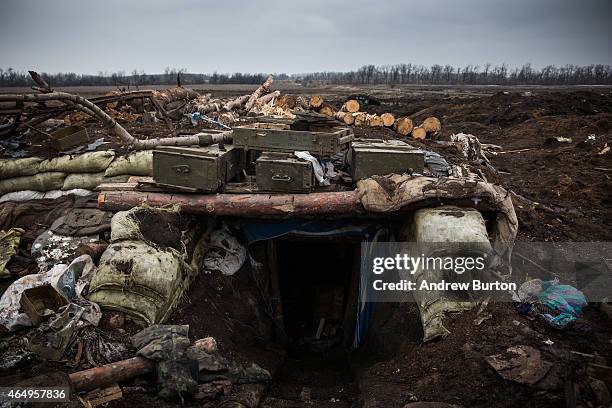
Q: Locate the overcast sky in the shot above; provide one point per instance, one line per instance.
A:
(298, 36)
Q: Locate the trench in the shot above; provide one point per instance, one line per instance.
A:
(317, 281)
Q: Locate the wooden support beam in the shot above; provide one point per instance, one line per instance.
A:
(109, 374)
(240, 205)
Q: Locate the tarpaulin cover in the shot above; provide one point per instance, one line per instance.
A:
(369, 233)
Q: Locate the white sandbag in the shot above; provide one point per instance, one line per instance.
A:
(90, 181)
(20, 196)
(27, 195)
(91, 162)
(19, 167)
(135, 164)
(37, 182)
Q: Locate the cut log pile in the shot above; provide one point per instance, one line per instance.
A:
(350, 114)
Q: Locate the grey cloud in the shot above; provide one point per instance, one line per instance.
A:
(284, 36)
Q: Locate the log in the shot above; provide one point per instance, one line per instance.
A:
(109, 374)
(351, 106)
(418, 133)
(205, 106)
(302, 103)
(242, 205)
(236, 103)
(316, 101)
(360, 118)
(267, 98)
(286, 102)
(431, 125)
(264, 88)
(327, 111)
(345, 117)
(374, 121)
(388, 119)
(404, 126)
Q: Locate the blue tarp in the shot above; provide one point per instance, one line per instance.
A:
(369, 233)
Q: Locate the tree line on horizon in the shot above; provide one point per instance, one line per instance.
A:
(594, 74)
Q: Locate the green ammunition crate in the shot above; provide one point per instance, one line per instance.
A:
(283, 172)
(319, 141)
(369, 157)
(205, 169)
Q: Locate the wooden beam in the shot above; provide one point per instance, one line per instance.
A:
(109, 374)
(239, 205)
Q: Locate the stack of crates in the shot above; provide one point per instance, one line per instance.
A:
(269, 149)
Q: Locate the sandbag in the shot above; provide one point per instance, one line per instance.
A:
(140, 280)
(160, 227)
(135, 164)
(90, 181)
(91, 162)
(37, 182)
(19, 167)
(140, 267)
(28, 195)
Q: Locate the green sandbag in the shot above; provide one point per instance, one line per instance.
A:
(140, 268)
(38, 182)
(91, 162)
(19, 167)
(135, 164)
(89, 181)
(137, 306)
(140, 280)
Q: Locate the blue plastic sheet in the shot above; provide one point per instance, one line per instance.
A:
(566, 300)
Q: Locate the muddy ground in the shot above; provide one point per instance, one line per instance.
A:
(567, 197)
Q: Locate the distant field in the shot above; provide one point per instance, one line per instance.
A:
(292, 87)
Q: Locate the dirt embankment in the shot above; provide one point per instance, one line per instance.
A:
(571, 180)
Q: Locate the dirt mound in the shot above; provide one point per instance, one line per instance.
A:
(161, 228)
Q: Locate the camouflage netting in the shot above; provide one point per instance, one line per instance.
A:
(140, 276)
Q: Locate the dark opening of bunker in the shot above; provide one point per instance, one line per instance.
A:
(317, 283)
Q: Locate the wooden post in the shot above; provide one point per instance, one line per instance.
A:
(275, 295)
(109, 374)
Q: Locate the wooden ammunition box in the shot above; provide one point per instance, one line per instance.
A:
(369, 157)
(279, 137)
(205, 169)
(283, 172)
(69, 137)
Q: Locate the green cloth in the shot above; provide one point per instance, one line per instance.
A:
(9, 242)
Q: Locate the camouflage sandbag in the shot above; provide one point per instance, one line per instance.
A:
(139, 279)
(135, 223)
(37, 182)
(19, 167)
(91, 162)
(89, 181)
(135, 164)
